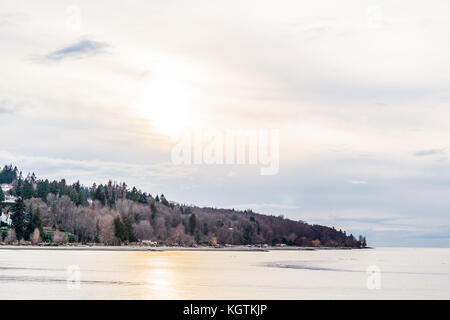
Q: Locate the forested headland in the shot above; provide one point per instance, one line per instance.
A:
(57, 212)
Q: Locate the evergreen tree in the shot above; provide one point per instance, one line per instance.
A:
(192, 223)
(42, 189)
(37, 222)
(18, 218)
(164, 200)
(133, 194)
(74, 197)
(27, 189)
(19, 188)
(123, 231)
(81, 199)
(8, 174)
(128, 228)
(29, 229)
(119, 230)
(2, 198)
(363, 242)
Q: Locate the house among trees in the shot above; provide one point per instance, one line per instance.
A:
(6, 187)
(149, 243)
(5, 218)
(8, 198)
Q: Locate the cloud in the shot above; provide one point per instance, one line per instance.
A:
(429, 152)
(6, 107)
(357, 182)
(88, 171)
(265, 208)
(432, 236)
(365, 219)
(12, 19)
(81, 49)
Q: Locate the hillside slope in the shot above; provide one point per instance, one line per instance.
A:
(115, 214)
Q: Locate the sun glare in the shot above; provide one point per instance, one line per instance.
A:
(166, 100)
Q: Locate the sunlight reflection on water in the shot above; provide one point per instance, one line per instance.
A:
(327, 274)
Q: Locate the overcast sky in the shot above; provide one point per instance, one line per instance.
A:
(359, 91)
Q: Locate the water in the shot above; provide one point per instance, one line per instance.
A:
(406, 273)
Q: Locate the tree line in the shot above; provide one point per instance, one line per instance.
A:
(113, 214)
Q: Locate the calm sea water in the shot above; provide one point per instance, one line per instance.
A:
(405, 273)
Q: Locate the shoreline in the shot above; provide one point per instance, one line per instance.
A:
(169, 249)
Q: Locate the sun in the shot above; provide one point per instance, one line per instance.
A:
(166, 99)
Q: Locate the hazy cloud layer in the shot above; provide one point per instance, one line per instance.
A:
(429, 152)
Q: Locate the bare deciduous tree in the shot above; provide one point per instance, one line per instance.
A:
(11, 237)
(106, 226)
(36, 238)
(143, 230)
(59, 237)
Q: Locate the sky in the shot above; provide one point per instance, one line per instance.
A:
(358, 92)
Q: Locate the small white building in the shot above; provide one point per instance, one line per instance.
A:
(10, 199)
(149, 243)
(6, 187)
(6, 218)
